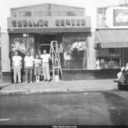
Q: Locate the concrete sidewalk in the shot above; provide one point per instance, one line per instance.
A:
(61, 86)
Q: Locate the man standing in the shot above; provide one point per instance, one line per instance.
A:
(29, 61)
(45, 65)
(16, 65)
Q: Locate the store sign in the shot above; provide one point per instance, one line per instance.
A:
(120, 17)
(54, 22)
(117, 17)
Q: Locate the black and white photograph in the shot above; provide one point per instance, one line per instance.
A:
(64, 63)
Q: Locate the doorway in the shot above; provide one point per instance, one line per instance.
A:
(45, 41)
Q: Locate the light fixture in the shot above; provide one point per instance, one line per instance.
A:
(25, 35)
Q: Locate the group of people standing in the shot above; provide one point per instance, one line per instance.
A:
(31, 65)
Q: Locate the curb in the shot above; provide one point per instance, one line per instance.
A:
(56, 91)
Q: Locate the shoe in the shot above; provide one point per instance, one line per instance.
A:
(44, 80)
(49, 80)
(25, 82)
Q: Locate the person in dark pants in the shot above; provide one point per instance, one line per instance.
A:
(29, 61)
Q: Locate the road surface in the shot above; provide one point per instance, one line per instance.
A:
(89, 108)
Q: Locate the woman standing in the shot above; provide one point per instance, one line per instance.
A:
(37, 64)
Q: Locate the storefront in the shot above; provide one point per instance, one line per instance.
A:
(79, 46)
(36, 33)
(112, 42)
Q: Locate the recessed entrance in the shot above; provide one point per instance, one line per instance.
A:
(45, 41)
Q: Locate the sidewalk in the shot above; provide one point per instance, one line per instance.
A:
(61, 86)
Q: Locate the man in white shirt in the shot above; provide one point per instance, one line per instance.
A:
(16, 65)
(45, 65)
(29, 61)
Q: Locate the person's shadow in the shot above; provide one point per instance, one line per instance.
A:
(118, 108)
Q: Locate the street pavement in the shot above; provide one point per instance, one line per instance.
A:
(60, 86)
(84, 108)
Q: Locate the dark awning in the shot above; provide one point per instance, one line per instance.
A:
(112, 38)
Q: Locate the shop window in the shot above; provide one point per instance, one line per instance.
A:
(22, 45)
(109, 58)
(74, 52)
(111, 50)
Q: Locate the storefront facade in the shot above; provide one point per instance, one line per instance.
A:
(111, 37)
(31, 29)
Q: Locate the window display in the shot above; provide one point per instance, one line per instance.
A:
(109, 58)
(23, 45)
(74, 51)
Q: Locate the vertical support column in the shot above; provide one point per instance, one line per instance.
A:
(6, 69)
(5, 52)
(91, 53)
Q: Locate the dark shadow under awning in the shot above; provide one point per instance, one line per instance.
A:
(112, 38)
(50, 30)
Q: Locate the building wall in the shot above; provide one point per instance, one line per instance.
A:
(31, 8)
(5, 52)
(70, 10)
(53, 8)
(48, 10)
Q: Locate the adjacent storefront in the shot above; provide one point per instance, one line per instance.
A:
(112, 41)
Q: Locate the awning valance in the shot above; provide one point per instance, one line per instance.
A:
(112, 38)
(49, 30)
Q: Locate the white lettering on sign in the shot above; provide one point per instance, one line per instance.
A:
(122, 18)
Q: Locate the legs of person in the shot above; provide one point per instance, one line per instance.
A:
(47, 71)
(38, 78)
(38, 72)
(19, 74)
(15, 74)
(65, 63)
(68, 63)
(44, 71)
(26, 74)
(35, 73)
(30, 74)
